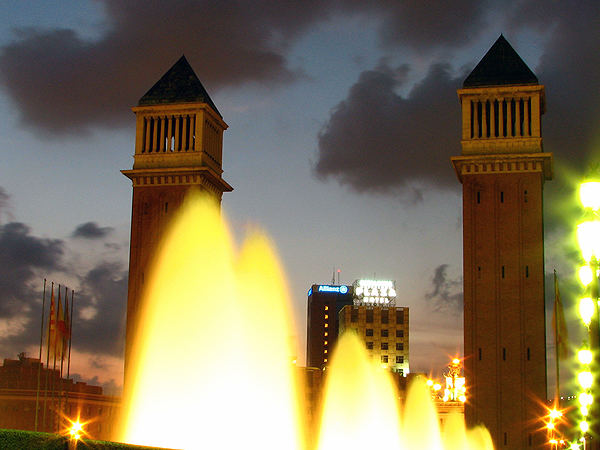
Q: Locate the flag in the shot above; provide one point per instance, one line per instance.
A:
(52, 325)
(559, 324)
(65, 327)
(60, 330)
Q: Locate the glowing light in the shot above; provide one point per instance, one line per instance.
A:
(374, 292)
(550, 425)
(585, 356)
(76, 430)
(360, 408)
(586, 310)
(589, 194)
(585, 399)
(462, 398)
(437, 386)
(584, 426)
(456, 361)
(584, 410)
(586, 275)
(585, 379)
(588, 235)
(429, 382)
(250, 292)
(555, 413)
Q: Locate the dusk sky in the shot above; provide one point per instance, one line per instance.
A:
(342, 119)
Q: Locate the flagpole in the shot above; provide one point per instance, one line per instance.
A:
(37, 395)
(556, 350)
(54, 363)
(47, 358)
(62, 360)
(69, 357)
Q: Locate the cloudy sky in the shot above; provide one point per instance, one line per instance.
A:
(342, 118)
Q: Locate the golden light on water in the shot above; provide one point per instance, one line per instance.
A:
(360, 402)
(212, 365)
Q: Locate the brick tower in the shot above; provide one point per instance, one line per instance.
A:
(178, 146)
(502, 169)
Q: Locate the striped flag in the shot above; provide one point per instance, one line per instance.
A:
(52, 325)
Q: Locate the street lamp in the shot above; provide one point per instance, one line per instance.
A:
(588, 236)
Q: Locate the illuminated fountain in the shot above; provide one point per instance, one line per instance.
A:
(213, 360)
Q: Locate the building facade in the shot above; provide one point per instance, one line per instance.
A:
(502, 169)
(178, 146)
(25, 383)
(324, 305)
(384, 330)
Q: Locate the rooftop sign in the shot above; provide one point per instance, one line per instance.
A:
(375, 292)
(327, 288)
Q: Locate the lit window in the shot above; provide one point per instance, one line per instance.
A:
(326, 308)
(326, 325)
(325, 343)
(325, 351)
(327, 316)
(325, 360)
(326, 334)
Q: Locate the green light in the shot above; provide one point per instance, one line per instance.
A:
(589, 195)
(588, 236)
(585, 399)
(584, 356)
(586, 310)
(585, 379)
(586, 275)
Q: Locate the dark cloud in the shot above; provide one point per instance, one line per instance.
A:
(91, 230)
(436, 23)
(23, 258)
(4, 203)
(446, 294)
(379, 141)
(103, 288)
(64, 84)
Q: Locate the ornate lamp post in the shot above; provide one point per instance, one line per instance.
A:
(588, 236)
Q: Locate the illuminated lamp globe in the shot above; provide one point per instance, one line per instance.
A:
(584, 411)
(589, 195)
(555, 414)
(584, 356)
(585, 379)
(586, 275)
(586, 310)
(588, 236)
(585, 399)
(584, 426)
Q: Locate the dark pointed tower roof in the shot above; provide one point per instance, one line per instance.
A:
(501, 65)
(179, 85)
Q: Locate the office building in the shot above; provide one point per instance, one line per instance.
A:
(382, 325)
(325, 301)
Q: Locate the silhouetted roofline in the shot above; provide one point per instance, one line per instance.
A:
(178, 85)
(500, 66)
